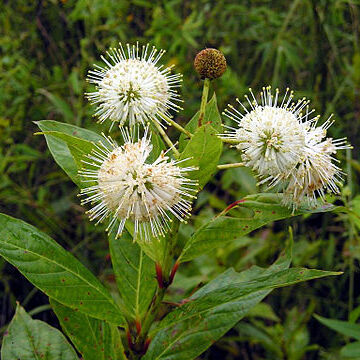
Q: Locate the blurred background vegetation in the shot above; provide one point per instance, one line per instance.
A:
(311, 46)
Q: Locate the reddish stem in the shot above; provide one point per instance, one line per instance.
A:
(159, 275)
(173, 272)
(233, 205)
(146, 345)
(138, 326)
(129, 340)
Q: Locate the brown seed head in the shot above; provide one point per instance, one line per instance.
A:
(210, 63)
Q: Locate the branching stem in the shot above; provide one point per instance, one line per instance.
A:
(177, 126)
(230, 166)
(167, 276)
(167, 139)
(230, 141)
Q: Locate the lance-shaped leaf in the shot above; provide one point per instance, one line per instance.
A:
(203, 151)
(212, 116)
(78, 148)
(135, 274)
(231, 276)
(343, 327)
(94, 339)
(228, 277)
(55, 271)
(190, 329)
(351, 350)
(346, 328)
(58, 144)
(26, 338)
(259, 210)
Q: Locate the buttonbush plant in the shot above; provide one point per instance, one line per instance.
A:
(115, 170)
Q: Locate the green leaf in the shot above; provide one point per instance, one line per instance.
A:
(207, 315)
(212, 116)
(94, 339)
(34, 339)
(55, 271)
(82, 145)
(153, 248)
(351, 350)
(78, 148)
(204, 151)
(343, 327)
(257, 211)
(135, 274)
(59, 135)
(354, 314)
(52, 125)
(229, 288)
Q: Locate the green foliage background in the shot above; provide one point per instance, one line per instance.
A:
(311, 46)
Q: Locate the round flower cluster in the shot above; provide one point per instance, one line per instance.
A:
(283, 145)
(132, 88)
(210, 63)
(129, 187)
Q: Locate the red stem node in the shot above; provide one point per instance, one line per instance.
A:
(146, 345)
(129, 340)
(233, 205)
(138, 326)
(173, 272)
(159, 275)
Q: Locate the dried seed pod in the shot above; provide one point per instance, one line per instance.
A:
(210, 63)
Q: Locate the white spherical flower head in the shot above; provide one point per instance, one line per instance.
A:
(316, 172)
(130, 188)
(270, 135)
(131, 88)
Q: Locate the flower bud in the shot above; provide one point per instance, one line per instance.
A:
(210, 63)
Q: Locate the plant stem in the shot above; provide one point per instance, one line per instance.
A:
(166, 139)
(204, 99)
(176, 125)
(151, 314)
(230, 141)
(39, 309)
(230, 166)
(154, 307)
